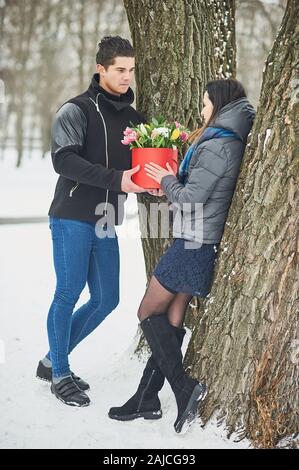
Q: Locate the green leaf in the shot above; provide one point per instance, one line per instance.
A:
(160, 142)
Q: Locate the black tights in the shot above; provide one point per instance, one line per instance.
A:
(159, 300)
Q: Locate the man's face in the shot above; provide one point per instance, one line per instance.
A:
(118, 77)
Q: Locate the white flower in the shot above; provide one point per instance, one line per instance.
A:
(162, 131)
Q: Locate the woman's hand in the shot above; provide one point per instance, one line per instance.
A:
(157, 172)
(156, 192)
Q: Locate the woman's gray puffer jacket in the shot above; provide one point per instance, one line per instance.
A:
(201, 205)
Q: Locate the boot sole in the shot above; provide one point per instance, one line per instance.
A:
(199, 393)
(145, 415)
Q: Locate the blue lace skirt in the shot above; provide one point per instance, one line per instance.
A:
(187, 267)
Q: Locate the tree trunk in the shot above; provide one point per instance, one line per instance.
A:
(246, 346)
(180, 45)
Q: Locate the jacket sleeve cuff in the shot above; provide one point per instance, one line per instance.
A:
(166, 180)
(117, 181)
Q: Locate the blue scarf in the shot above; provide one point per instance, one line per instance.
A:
(209, 133)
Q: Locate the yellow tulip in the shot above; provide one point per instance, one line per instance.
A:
(175, 134)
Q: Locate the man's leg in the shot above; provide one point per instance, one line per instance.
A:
(103, 283)
(72, 244)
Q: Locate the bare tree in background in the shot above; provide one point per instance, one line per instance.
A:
(87, 22)
(19, 36)
(50, 73)
(257, 24)
(49, 51)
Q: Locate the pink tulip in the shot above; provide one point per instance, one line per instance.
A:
(177, 124)
(128, 131)
(184, 136)
(130, 137)
(134, 136)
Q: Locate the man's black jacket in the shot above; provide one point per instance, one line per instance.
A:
(88, 154)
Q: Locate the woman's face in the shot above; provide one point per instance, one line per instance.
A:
(207, 107)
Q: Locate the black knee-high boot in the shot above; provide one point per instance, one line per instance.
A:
(167, 354)
(145, 402)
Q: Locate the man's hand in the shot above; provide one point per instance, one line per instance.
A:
(156, 192)
(127, 185)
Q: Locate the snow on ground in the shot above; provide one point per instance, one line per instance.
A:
(31, 417)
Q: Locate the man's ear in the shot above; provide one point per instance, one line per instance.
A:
(100, 69)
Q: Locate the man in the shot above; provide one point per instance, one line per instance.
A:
(94, 168)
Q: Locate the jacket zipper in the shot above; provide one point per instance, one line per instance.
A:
(106, 143)
(73, 189)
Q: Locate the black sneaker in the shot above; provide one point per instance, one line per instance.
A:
(188, 401)
(137, 408)
(69, 393)
(45, 373)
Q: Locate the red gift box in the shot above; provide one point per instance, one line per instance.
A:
(141, 156)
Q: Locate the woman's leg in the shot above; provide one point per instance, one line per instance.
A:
(145, 402)
(177, 309)
(156, 300)
(166, 350)
(159, 300)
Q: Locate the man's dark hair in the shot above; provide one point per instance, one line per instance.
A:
(111, 47)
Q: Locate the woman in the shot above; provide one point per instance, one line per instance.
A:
(207, 178)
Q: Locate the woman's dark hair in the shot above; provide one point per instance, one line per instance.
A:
(221, 92)
(111, 47)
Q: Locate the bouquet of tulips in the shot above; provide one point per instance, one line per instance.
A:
(158, 133)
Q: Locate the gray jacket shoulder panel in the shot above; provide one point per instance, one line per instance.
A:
(69, 127)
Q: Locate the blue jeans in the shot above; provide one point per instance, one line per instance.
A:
(80, 256)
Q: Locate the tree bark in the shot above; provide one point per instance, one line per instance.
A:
(180, 45)
(246, 345)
